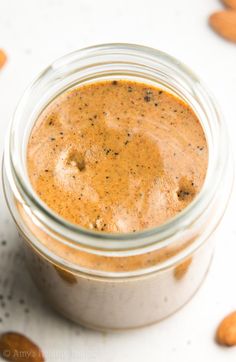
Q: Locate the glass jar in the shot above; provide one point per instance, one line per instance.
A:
(117, 281)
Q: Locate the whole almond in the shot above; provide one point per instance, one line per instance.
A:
(230, 3)
(3, 58)
(226, 332)
(224, 23)
(15, 347)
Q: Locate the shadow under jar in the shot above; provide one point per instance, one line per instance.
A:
(126, 280)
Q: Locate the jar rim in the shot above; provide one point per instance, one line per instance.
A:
(159, 236)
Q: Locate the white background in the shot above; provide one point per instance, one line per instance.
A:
(34, 33)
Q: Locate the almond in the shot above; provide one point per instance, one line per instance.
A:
(3, 58)
(224, 23)
(226, 332)
(230, 3)
(182, 269)
(15, 347)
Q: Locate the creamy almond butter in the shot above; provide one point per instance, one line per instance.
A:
(117, 156)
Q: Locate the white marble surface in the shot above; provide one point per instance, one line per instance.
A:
(36, 32)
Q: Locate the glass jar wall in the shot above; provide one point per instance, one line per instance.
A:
(116, 281)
